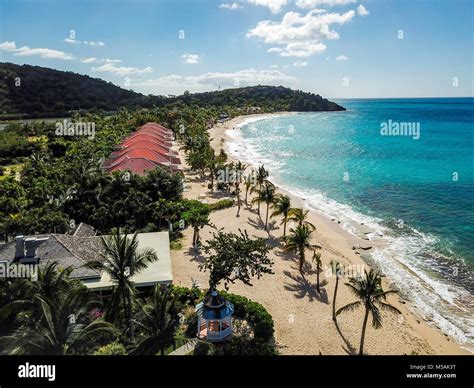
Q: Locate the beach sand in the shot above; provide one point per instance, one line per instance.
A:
(302, 317)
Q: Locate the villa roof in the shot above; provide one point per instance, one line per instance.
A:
(149, 147)
(75, 251)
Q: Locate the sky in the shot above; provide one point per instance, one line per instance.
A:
(336, 48)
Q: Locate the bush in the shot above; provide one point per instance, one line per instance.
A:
(222, 204)
(113, 349)
(202, 349)
(244, 346)
(254, 313)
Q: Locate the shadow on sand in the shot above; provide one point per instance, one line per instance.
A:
(305, 289)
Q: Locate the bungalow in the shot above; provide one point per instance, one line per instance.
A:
(149, 147)
(76, 250)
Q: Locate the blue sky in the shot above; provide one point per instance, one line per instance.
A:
(337, 48)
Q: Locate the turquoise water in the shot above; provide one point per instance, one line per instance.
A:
(415, 189)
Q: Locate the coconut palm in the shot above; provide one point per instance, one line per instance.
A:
(298, 241)
(239, 168)
(372, 297)
(248, 186)
(299, 215)
(158, 322)
(338, 272)
(260, 178)
(63, 327)
(317, 259)
(121, 261)
(266, 194)
(282, 207)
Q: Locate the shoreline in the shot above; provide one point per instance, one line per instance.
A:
(412, 335)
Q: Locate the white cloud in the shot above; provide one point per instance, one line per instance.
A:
(300, 64)
(191, 59)
(95, 60)
(274, 5)
(92, 43)
(89, 60)
(362, 11)
(111, 67)
(310, 4)
(177, 83)
(299, 35)
(342, 58)
(232, 6)
(274, 66)
(26, 51)
(86, 42)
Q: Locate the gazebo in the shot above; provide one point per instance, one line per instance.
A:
(214, 318)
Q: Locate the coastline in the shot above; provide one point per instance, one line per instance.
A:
(303, 324)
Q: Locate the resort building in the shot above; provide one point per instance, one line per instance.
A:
(149, 147)
(78, 249)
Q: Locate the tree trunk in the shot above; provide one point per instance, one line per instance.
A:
(246, 195)
(301, 261)
(238, 202)
(334, 300)
(362, 337)
(266, 218)
(194, 236)
(317, 278)
(284, 227)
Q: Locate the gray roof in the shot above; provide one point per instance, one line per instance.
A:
(68, 251)
(85, 230)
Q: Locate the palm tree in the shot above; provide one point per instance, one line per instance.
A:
(62, 328)
(299, 215)
(51, 284)
(158, 321)
(121, 261)
(266, 194)
(338, 272)
(371, 295)
(260, 177)
(282, 207)
(239, 167)
(319, 263)
(248, 186)
(298, 241)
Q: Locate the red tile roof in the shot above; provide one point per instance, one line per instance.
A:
(147, 148)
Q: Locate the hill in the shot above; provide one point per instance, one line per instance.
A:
(35, 92)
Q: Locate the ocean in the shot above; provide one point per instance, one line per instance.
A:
(404, 167)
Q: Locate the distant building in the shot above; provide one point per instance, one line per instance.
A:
(75, 251)
(147, 148)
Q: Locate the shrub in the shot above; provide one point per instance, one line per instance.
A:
(254, 313)
(202, 349)
(222, 204)
(244, 346)
(113, 349)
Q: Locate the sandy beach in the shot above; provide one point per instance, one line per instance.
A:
(303, 317)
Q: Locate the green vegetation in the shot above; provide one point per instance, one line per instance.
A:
(34, 91)
(234, 257)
